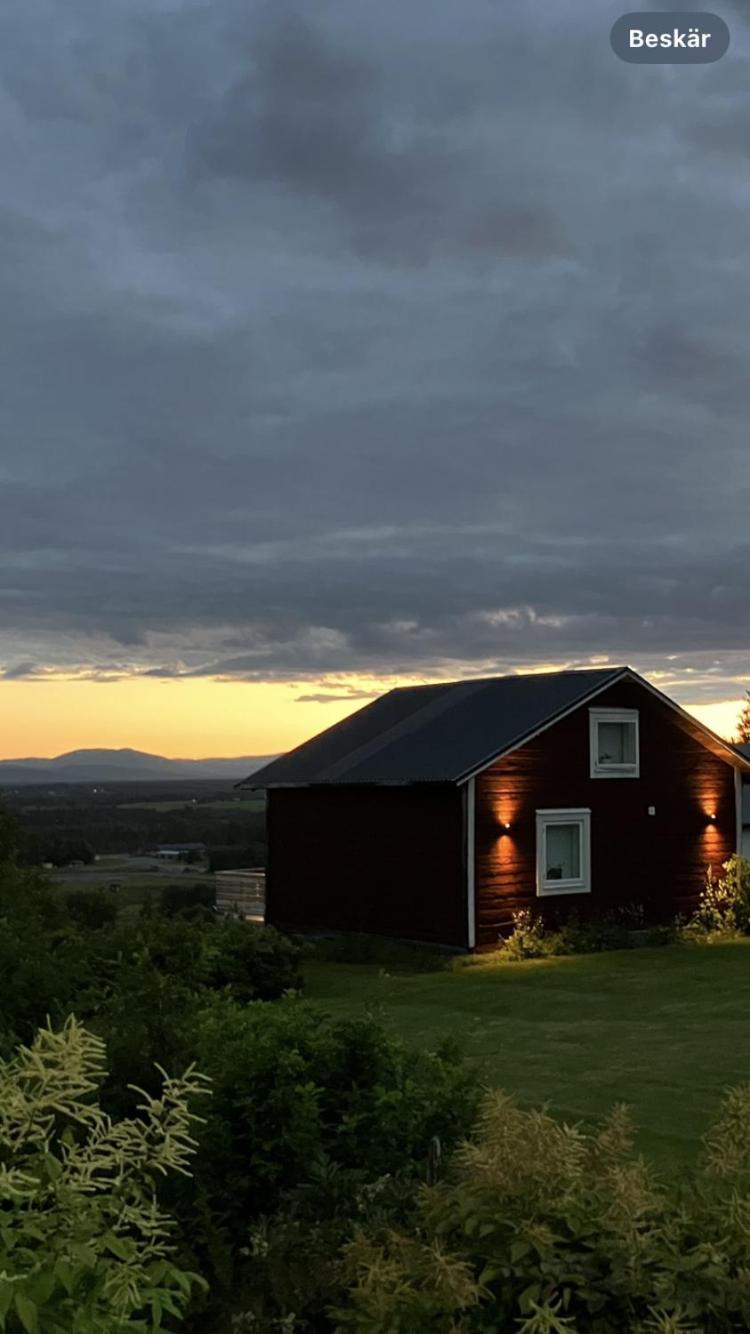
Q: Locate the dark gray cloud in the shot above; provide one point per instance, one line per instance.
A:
(369, 339)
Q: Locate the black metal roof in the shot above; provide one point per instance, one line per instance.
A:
(434, 733)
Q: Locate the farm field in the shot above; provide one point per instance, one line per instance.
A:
(664, 1030)
(236, 806)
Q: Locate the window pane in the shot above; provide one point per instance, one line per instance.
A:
(563, 852)
(616, 743)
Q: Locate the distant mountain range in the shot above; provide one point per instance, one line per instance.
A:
(122, 766)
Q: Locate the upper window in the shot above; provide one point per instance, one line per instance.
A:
(614, 743)
(563, 850)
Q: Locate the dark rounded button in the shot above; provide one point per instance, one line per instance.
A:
(669, 38)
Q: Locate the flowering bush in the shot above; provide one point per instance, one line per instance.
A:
(542, 1226)
(724, 907)
(84, 1246)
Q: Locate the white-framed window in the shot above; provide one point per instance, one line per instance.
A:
(613, 736)
(563, 852)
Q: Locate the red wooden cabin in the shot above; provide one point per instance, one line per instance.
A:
(436, 812)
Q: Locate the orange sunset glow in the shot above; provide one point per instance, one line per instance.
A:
(199, 717)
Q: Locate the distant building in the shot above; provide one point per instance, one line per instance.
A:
(175, 852)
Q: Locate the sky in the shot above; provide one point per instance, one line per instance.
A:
(346, 345)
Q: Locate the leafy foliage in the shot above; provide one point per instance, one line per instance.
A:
(531, 938)
(89, 908)
(42, 963)
(743, 721)
(545, 1226)
(183, 900)
(724, 908)
(313, 1125)
(528, 939)
(84, 1245)
(10, 836)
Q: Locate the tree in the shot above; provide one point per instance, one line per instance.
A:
(62, 850)
(10, 836)
(743, 722)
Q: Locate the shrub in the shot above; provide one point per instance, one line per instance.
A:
(90, 909)
(186, 899)
(146, 1018)
(300, 1088)
(724, 906)
(531, 938)
(528, 939)
(544, 1226)
(43, 962)
(154, 979)
(313, 1123)
(608, 932)
(252, 962)
(84, 1247)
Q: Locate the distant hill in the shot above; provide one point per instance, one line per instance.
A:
(122, 766)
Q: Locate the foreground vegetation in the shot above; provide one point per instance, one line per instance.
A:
(542, 1227)
(312, 1124)
(203, 1146)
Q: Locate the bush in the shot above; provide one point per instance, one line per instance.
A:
(84, 1249)
(252, 962)
(186, 899)
(155, 978)
(547, 1227)
(43, 962)
(90, 909)
(528, 939)
(531, 938)
(146, 1018)
(312, 1124)
(724, 907)
(62, 850)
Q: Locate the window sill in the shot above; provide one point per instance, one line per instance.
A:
(547, 892)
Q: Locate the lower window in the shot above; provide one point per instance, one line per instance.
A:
(563, 852)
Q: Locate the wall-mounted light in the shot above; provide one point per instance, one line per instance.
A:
(711, 817)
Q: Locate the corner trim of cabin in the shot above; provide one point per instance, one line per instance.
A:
(471, 934)
(738, 811)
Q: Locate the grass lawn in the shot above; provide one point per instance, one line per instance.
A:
(664, 1030)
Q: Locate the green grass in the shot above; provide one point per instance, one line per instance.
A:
(664, 1030)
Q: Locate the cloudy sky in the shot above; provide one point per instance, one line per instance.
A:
(350, 343)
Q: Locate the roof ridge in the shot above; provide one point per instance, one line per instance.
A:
(509, 676)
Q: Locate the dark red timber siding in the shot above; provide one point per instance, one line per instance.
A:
(385, 860)
(656, 861)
